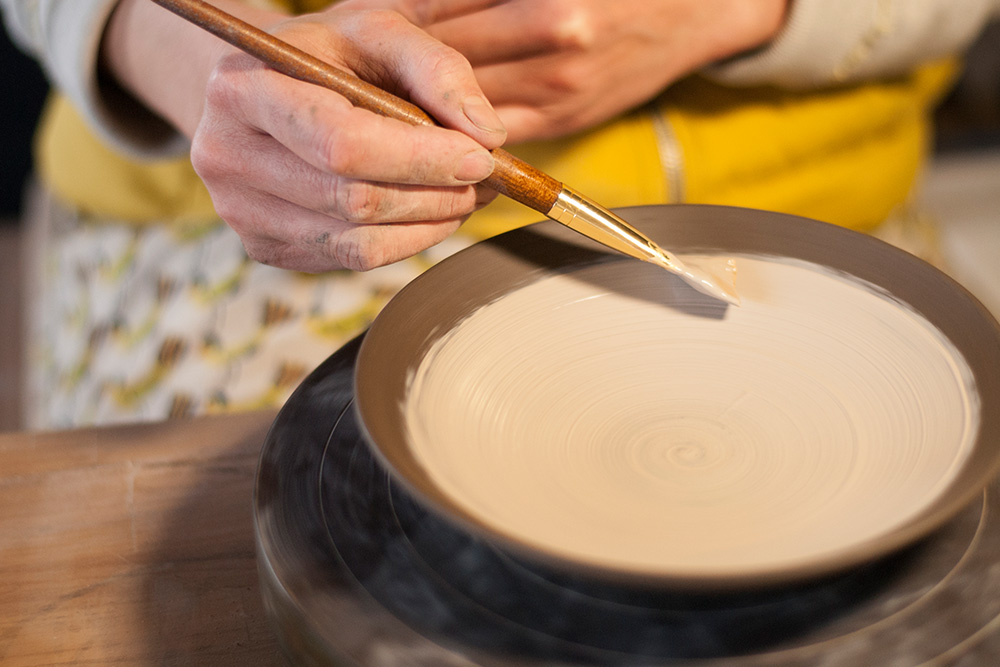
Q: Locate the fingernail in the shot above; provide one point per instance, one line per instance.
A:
(474, 167)
(482, 115)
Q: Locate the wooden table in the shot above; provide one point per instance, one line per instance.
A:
(132, 545)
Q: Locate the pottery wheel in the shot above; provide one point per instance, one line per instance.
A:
(353, 571)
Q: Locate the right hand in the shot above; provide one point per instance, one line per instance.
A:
(310, 182)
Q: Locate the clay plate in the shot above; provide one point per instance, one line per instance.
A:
(790, 438)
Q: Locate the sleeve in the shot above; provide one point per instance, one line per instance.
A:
(65, 37)
(825, 42)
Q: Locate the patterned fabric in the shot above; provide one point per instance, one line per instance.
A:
(145, 323)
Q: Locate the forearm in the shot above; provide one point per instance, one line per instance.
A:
(163, 61)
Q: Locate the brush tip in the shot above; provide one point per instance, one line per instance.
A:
(715, 277)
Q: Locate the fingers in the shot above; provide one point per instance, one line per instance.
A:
(292, 215)
(489, 31)
(279, 233)
(322, 129)
(516, 30)
(547, 96)
(259, 163)
(425, 12)
(528, 123)
(394, 52)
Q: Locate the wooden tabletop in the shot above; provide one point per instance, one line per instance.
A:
(132, 545)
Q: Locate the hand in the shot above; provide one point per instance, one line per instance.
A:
(309, 182)
(554, 67)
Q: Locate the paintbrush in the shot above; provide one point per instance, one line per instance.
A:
(511, 176)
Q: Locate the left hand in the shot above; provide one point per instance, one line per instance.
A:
(554, 67)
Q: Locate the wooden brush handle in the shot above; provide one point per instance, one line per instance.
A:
(511, 176)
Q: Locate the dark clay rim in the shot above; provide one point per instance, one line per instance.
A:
(436, 301)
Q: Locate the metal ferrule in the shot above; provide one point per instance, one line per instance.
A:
(594, 221)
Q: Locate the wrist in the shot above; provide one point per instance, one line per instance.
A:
(160, 63)
(750, 25)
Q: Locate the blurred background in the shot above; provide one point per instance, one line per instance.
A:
(24, 92)
(962, 188)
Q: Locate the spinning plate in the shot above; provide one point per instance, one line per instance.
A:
(353, 571)
(597, 415)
